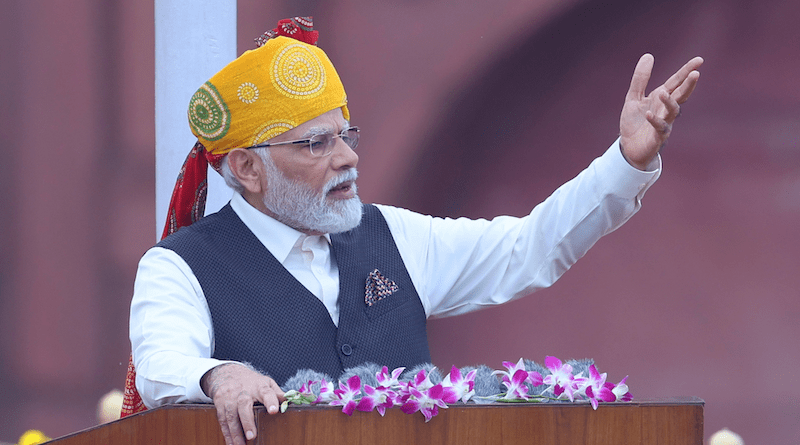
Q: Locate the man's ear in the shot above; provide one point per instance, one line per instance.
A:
(246, 166)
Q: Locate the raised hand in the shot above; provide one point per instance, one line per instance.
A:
(234, 388)
(646, 120)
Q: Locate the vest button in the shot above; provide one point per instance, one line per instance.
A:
(346, 349)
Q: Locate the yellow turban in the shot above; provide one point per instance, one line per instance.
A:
(263, 93)
(266, 91)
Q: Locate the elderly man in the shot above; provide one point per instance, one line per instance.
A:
(296, 273)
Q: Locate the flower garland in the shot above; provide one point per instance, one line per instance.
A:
(524, 381)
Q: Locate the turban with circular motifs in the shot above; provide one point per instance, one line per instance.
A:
(286, 81)
(263, 93)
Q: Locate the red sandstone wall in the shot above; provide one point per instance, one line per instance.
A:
(697, 295)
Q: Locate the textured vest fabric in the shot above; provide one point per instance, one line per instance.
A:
(262, 315)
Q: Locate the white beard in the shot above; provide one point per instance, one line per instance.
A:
(300, 207)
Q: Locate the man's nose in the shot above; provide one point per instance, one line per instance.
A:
(343, 157)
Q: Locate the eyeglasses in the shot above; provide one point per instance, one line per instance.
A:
(320, 144)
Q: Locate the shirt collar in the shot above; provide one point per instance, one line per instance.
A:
(276, 236)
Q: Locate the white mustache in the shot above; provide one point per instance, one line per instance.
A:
(349, 175)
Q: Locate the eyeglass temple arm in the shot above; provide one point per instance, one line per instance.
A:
(269, 144)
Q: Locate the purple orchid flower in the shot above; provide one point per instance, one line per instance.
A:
(561, 380)
(511, 368)
(417, 401)
(597, 389)
(421, 381)
(620, 390)
(421, 395)
(378, 398)
(326, 392)
(347, 393)
(388, 397)
(516, 385)
(387, 381)
(429, 401)
(369, 401)
(534, 378)
(463, 386)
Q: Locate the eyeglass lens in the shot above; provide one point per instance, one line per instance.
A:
(322, 144)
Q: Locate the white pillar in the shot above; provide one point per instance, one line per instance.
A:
(194, 40)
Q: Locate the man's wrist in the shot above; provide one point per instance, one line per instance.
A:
(643, 166)
(207, 380)
(214, 376)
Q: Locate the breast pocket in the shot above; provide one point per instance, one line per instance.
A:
(388, 304)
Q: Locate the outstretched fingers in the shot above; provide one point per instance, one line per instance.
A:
(641, 75)
(685, 79)
(682, 93)
(659, 109)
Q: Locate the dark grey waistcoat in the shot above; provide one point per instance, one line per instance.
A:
(263, 315)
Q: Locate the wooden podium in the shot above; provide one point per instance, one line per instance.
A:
(650, 422)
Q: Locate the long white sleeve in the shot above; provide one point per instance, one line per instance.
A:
(461, 265)
(170, 330)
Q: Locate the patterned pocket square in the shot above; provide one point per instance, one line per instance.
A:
(378, 287)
